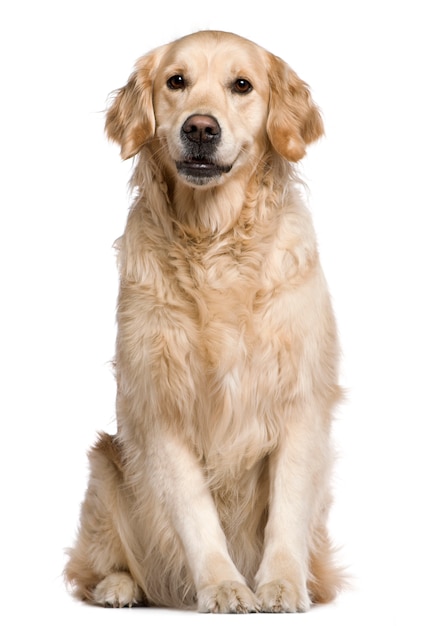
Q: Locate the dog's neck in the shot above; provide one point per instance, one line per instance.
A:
(212, 210)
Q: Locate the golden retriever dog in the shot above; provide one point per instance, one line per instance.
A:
(215, 490)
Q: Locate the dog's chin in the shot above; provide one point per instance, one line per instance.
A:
(198, 173)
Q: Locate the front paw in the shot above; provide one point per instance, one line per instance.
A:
(283, 596)
(228, 596)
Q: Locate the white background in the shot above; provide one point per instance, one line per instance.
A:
(372, 69)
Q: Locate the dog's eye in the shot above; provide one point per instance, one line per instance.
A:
(241, 85)
(176, 82)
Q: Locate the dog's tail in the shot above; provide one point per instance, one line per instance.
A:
(327, 579)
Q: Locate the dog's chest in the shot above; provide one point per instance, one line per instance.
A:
(240, 345)
(241, 321)
(221, 281)
(209, 326)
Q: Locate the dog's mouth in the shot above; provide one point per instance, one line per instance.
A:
(200, 170)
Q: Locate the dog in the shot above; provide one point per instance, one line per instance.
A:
(215, 491)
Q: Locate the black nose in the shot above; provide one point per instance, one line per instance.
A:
(201, 129)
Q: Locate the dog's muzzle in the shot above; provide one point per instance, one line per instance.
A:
(200, 137)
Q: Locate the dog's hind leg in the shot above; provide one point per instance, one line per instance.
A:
(101, 563)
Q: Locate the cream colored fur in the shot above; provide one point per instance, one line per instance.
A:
(215, 490)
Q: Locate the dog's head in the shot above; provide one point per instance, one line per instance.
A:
(211, 103)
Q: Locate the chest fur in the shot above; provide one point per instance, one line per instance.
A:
(210, 328)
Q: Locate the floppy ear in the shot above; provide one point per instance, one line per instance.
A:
(293, 119)
(130, 120)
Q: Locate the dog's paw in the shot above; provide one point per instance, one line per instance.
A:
(283, 596)
(117, 590)
(227, 597)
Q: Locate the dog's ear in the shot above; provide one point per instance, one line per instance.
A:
(130, 120)
(293, 119)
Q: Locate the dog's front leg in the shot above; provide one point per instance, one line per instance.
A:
(295, 490)
(180, 484)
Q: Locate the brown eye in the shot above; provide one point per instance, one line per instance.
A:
(242, 86)
(176, 82)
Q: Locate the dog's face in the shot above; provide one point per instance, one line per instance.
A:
(213, 103)
(211, 106)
